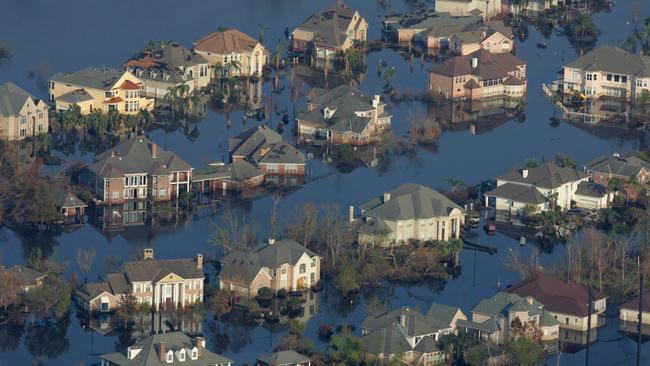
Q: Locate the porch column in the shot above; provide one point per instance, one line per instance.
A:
(182, 295)
(156, 294)
(486, 200)
(175, 295)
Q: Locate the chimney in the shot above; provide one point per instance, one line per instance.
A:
(271, 241)
(524, 173)
(148, 253)
(154, 150)
(199, 261)
(474, 62)
(200, 344)
(112, 153)
(386, 197)
(375, 101)
(162, 351)
(351, 214)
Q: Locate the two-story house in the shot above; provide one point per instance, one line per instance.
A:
(479, 75)
(21, 114)
(414, 26)
(283, 264)
(330, 31)
(484, 8)
(607, 71)
(410, 334)
(165, 349)
(343, 115)
(284, 358)
(232, 53)
(168, 65)
(505, 317)
(99, 88)
(138, 169)
(264, 148)
(409, 212)
(493, 36)
(627, 169)
(161, 283)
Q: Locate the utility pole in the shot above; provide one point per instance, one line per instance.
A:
(638, 341)
(588, 325)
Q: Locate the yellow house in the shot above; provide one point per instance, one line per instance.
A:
(233, 46)
(105, 88)
(21, 114)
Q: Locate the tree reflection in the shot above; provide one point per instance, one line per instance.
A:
(11, 331)
(47, 338)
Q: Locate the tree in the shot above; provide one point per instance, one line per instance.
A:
(345, 351)
(296, 327)
(475, 357)
(347, 280)
(85, 260)
(565, 161)
(524, 352)
(52, 298)
(263, 30)
(233, 233)
(9, 288)
(128, 307)
(221, 302)
(455, 183)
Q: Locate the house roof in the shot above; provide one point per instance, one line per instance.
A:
(591, 189)
(447, 25)
(157, 269)
(410, 201)
(555, 294)
(428, 19)
(387, 341)
(443, 313)
(427, 345)
(12, 99)
(249, 141)
(329, 26)
(281, 358)
(608, 58)
(226, 42)
(136, 155)
(90, 291)
(24, 275)
(176, 341)
(490, 65)
(75, 96)
(490, 325)
(166, 61)
(374, 226)
(279, 153)
(101, 78)
(618, 165)
(65, 199)
(547, 175)
(633, 304)
(518, 193)
(410, 321)
(502, 302)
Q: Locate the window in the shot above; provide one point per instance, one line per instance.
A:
(51, 85)
(162, 193)
(609, 77)
(23, 120)
(284, 271)
(623, 79)
(170, 356)
(313, 262)
(312, 277)
(195, 354)
(291, 169)
(303, 268)
(109, 94)
(272, 168)
(136, 288)
(187, 285)
(116, 195)
(617, 78)
(181, 355)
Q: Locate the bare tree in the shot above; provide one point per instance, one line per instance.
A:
(235, 233)
(85, 259)
(303, 224)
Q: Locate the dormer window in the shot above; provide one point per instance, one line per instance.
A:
(195, 354)
(181, 355)
(170, 357)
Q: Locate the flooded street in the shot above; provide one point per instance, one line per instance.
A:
(75, 33)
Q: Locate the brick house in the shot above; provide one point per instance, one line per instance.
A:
(21, 114)
(343, 115)
(138, 169)
(284, 264)
(157, 282)
(605, 168)
(264, 148)
(479, 75)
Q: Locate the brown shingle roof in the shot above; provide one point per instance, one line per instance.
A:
(490, 65)
(556, 295)
(226, 42)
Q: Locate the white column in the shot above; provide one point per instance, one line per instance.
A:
(182, 295)
(156, 293)
(175, 295)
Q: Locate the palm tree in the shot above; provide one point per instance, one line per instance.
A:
(455, 183)
(263, 29)
(235, 65)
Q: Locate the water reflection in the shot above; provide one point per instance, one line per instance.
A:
(479, 116)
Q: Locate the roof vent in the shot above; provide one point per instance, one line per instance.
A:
(386, 196)
(474, 62)
(271, 241)
(524, 173)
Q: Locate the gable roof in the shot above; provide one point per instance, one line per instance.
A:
(280, 358)
(101, 78)
(490, 65)
(168, 59)
(136, 155)
(176, 341)
(24, 275)
(65, 199)
(518, 193)
(633, 304)
(157, 269)
(591, 189)
(388, 341)
(410, 201)
(12, 99)
(443, 313)
(246, 143)
(613, 59)
(618, 165)
(547, 175)
(329, 26)
(555, 294)
(279, 153)
(226, 42)
(410, 321)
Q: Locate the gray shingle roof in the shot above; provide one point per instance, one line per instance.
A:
(157, 269)
(387, 341)
(65, 199)
(624, 166)
(490, 65)
(281, 358)
(427, 345)
(75, 96)
(279, 153)
(518, 193)
(170, 59)
(547, 176)
(591, 189)
(12, 99)
(490, 325)
(102, 78)
(613, 59)
(246, 143)
(412, 322)
(24, 275)
(238, 171)
(443, 313)
(136, 156)
(410, 201)
(149, 355)
(330, 25)
(374, 226)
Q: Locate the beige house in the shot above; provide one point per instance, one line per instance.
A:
(282, 265)
(104, 89)
(332, 30)
(479, 75)
(224, 48)
(629, 315)
(160, 283)
(169, 65)
(409, 212)
(607, 71)
(493, 37)
(530, 6)
(21, 114)
(568, 303)
(485, 8)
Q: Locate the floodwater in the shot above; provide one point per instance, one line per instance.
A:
(47, 38)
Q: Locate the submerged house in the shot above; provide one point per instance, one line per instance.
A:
(278, 265)
(409, 212)
(630, 170)
(165, 349)
(99, 88)
(329, 31)
(232, 52)
(21, 114)
(343, 115)
(160, 283)
(264, 148)
(69, 205)
(169, 65)
(483, 8)
(479, 75)
(284, 358)
(138, 169)
(492, 36)
(408, 333)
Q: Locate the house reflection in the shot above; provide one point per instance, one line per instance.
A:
(594, 111)
(572, 341)
(133, 213)
(146, 323)
(479, 116)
